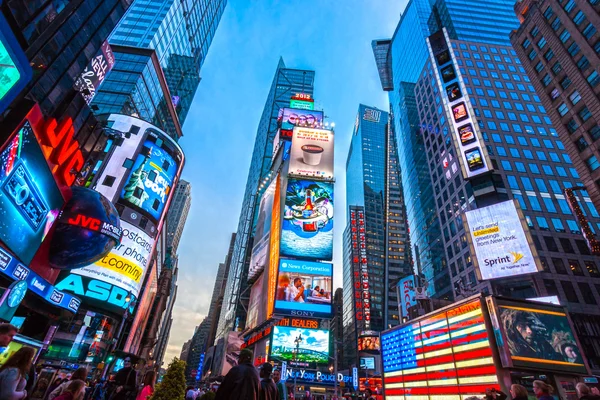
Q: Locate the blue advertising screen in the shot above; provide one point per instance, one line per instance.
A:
(290, 117)
(304, 286)
(307, 227)
(312, 345)
(150, 180)
(29, 198)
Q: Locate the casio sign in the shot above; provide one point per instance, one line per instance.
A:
(96, 290)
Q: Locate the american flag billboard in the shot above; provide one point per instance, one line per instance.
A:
(447, 356)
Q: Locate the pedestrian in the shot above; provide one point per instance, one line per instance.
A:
(369, 394)
(268, 389)
(584, 392)
(14, 373)
(75, 390)
(281, 388)
(126, 380)
(190, 393)
(7, 333)
(518, 392)
(148, 386)
(242, 381)
(99, 392)
(493, 394)
(79, 374)
(542, 390)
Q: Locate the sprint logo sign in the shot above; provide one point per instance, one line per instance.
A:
(500, 242)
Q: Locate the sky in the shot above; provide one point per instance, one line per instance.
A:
(331, 37)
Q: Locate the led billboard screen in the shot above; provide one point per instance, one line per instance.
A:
(93, 75)
(15, 71)
(367, 363)
(125, 266)
(406, 294)
(445, 354)
(29, 197)
(307, 228)
(499, 238)
(290, 117)
(313, 347)
(312, 153)
(260, 250)
(536, 336)
(304, 288)
(369, 344)
(150, 180)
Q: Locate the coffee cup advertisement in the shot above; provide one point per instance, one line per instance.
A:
(312, 153)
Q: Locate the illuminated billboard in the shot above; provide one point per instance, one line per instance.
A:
(260, 250)
(304, 288)
(369, 344)
(312, 153)
(360, 270)
(289, 118)
(467, 139)
(256, 304)
(499, 237)
(406, 294)
(445, 354)
(15, 71)
(92, 76)
(313, 345)
(307, 228)
(535, 336)
(125, 266)
(30, 200)
(151, 179)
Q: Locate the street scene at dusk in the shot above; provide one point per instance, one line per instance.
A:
(286, 200)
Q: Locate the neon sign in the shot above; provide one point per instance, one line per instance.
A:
(93, 224)
(362, 294)
(61, 149)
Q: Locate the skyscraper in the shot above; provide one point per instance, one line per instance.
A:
(558, 45)
(529, 161)
(286, 83)
(375, 191)
(196, 349)
(160, 46)
(178, 212)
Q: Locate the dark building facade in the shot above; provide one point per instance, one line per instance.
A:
(286, 83)
(559, 45)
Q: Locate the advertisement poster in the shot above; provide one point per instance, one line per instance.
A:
(406, 294)
(312, 153)
(260, 252)
(232, 352)
(304, 286)
(307, 229)
(290, 117)
(501, 245)
(29, 198)
(540, 338)
(313, 345)
(256, 305)
(150, 180)
(15, 70)
(93, 75)
(369, 344)
(125, 266)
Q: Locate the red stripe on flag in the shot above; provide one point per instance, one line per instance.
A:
(478, 389)
(439, 360)
(394, 379)
(475, 371)
(415, 377)
(437, 346)
(441, 374)
(473, 354)
(470, 338)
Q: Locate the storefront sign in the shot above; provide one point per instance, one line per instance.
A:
(12, 268)
(291, 322)
(95, 290)
(314, 376)
(11, 299)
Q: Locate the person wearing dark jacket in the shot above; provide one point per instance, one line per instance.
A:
(518, 392)
(585, 393)
(268, 389)
(126, 381)
(242, 381)
(493, 394)
(542, 390)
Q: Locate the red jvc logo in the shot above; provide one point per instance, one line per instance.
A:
(85, 222)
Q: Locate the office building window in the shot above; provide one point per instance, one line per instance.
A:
(569, 291)
(581, 144)
(549, 55)
(569, 6)
(546, 80)
(573, 49)
(534, 32)
(564, 36)
(548, 13)
(556, 68)
(595, 132)
(542, 42)
(575, 97)
(539, 67)
(592, 163)
(593, 79)
(586, 293)
(572, 125)
(591, 268)
(559, 266)
(589, 31)
(579, 18)
(565, 82)
(575, 267)
(583, 63)
(562, 109)
(584, 114)
(526, 43)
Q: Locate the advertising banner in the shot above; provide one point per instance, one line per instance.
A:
(312, 153)
(125, 266)
(360, 268)
(150, 180)
(93, 75)
(304, 288)
(30, 200)
(406, 295)
(499, 238)
(304, 346)
(289, 118)
(307, 229)
(369, 344)
(260, 252)
(256, 305)
(536, 336)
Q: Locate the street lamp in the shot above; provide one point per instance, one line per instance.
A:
(297, 342)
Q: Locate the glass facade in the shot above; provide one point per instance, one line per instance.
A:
(179, 34)
(286, 83)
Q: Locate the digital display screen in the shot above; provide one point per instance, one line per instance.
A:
(312, 153)
(304, 286)
(29, 197)
(307, 227)
(453, 91)
(540, 337)
(312, 345)
(474, 159)
(369, 343)
(367, 363)
(460, 112)
(443, 57)
(448, 353)
(467, 134)
(150, 180)
(448, 73)
(290, 117)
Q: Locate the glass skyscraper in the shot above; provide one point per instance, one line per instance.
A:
(286, 83)
(373, 177)
(160, 46)
(530, 165)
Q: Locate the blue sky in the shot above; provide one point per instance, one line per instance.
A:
(332, 37)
